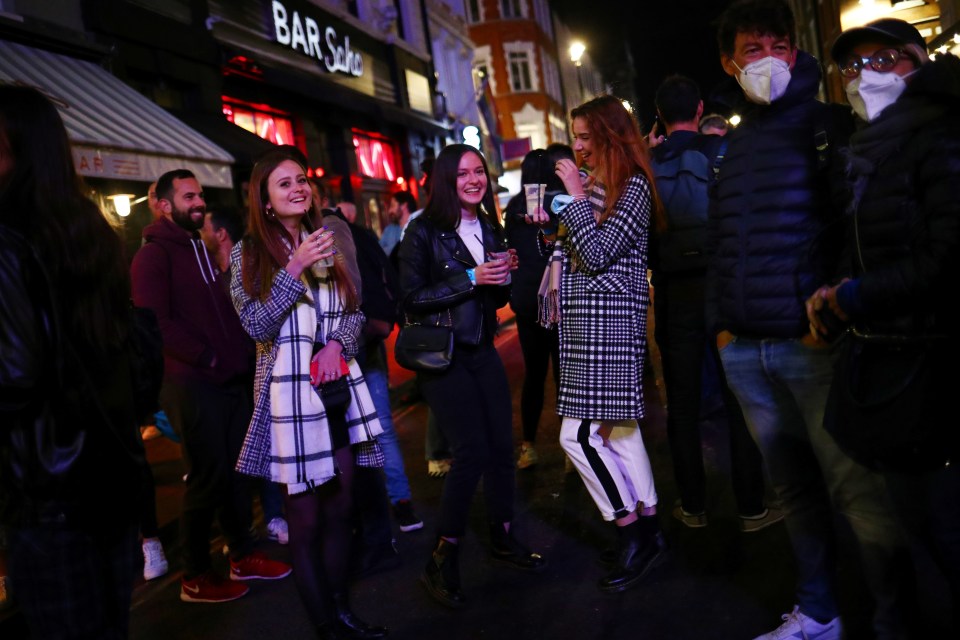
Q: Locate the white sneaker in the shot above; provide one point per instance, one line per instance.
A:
(277, 530)
(797, 626)
(154, 562)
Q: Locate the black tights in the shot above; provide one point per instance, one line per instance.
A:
(320, 533)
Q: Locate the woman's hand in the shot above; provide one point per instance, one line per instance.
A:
(327, 362)
(514, 260)
(493, 272)
(538, 217)
(568, 173)
(316, 246)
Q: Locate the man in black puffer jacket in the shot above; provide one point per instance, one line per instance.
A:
(903, 170)
(771, 242)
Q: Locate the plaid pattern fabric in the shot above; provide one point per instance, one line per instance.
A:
(290, 444)
(604, 296)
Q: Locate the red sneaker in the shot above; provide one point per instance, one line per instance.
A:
(257, 566)
(210, 587)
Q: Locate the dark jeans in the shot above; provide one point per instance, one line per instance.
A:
(72, 584)
(148, 504)
(928, 506)
(539, 347)
(681, 334)
(472, 403)
(212, 421)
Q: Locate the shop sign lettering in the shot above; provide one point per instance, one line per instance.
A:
(303, 34)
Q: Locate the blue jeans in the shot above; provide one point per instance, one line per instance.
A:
(398, 488)
(782, 387)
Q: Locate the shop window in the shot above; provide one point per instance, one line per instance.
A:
(376, 157)
(270, 124)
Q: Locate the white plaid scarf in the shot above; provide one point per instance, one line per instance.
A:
(301, 455)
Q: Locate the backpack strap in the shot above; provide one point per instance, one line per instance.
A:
(718, 160)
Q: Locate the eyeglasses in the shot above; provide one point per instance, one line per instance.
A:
(883, 61)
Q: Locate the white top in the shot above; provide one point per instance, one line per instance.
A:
(472, 236)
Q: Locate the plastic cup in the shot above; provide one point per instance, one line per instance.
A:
(534, 196)
(320, 267)
(501, 256)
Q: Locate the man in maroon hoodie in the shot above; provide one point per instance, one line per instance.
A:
(208, 365)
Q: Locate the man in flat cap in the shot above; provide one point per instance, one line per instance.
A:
(903, 173)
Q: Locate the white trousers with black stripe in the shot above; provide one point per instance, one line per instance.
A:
(613, 462)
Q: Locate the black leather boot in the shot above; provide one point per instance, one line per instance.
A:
(441, 576)
(507, 550)
(641, 548)
(350, 625)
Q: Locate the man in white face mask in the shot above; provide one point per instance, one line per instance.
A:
(771, 236)
(903, 172)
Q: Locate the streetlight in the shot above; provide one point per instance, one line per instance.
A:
(577, 49)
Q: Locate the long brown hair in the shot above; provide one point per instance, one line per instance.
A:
(619, 151)
(443, 204)
(266, 243)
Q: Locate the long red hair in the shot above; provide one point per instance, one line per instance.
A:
(266, 243)
(619, 150)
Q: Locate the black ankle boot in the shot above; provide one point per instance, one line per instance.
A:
(508, 550)
(350, 625)
(441, 576)
(641, 548)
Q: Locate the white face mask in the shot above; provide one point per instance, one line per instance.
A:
(872, 92)
(764, 80)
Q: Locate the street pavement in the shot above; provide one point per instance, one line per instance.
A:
(716, 582)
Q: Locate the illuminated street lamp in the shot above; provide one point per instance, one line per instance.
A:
(577, 49)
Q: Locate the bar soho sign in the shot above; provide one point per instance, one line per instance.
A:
(302, 34)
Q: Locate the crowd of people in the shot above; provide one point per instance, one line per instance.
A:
(800, 267)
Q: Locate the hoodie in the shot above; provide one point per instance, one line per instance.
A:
(175, 277)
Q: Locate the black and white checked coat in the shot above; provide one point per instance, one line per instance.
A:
(604, 296)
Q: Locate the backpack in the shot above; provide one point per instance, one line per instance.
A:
(683, 183)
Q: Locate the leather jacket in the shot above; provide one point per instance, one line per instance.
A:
(70, 452)
(434, 281)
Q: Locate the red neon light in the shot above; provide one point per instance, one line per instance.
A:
(375, 158)
(319, 172)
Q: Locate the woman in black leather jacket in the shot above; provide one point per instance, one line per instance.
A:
(70, 448)
(447, 278)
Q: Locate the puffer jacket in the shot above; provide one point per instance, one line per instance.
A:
(433, 281)
(774, 232)
(904, 172)
(70, 447)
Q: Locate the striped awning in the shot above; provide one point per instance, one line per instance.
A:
(114, 131)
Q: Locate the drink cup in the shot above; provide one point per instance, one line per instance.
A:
(320, 267)
(534, 196)
(501, 256)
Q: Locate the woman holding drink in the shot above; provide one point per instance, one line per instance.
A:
(302, 310)
(447, 279)
(604, 298)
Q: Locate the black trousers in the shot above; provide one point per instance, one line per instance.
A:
(472, 403)
(212, 421)
(539, 347)
(680, 313)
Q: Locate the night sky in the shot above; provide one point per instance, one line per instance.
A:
(664, 37)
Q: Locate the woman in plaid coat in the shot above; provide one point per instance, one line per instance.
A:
(603, 300)
(306, 320)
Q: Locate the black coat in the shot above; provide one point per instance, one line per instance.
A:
(70, 447)
(904, 172)
(434, 281)
(775, 231)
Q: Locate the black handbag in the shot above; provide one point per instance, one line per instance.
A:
(888, 404)
(425, 347)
